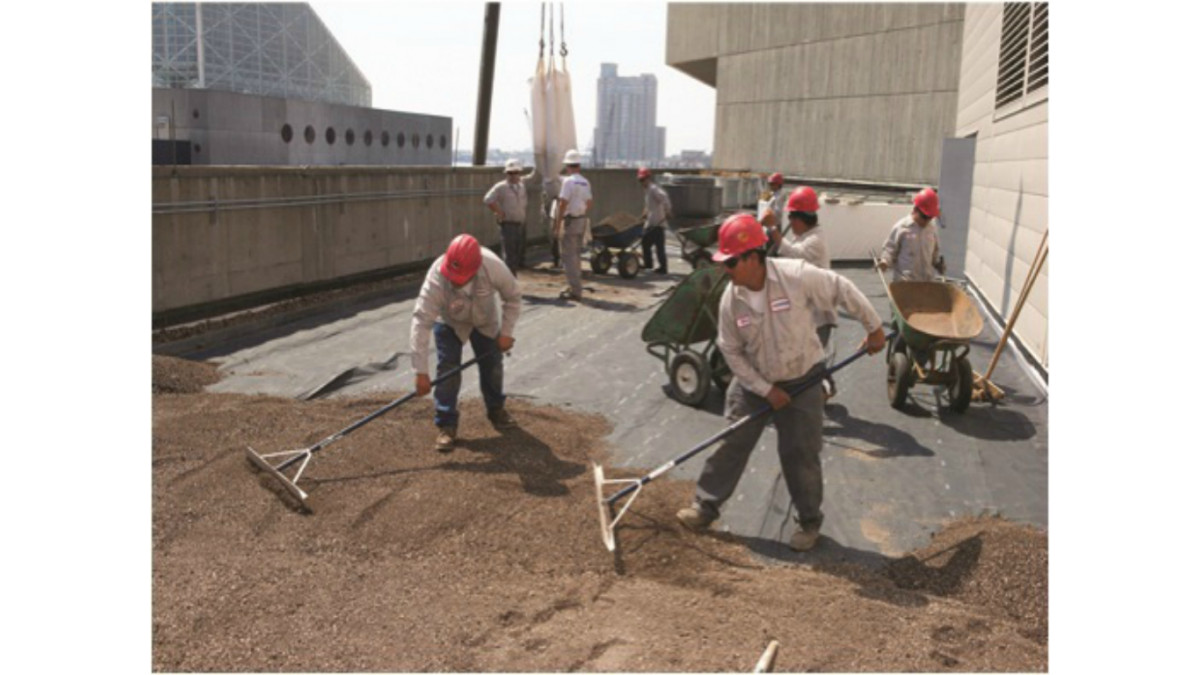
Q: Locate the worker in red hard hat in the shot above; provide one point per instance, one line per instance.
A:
(772, 202)
(768, 336)
(807, 242)
(457, 304)
(911, 249)
(657, 214)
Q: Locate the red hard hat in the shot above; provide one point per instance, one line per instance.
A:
(927, 201)
(738, 234)
(462, 259)
(775, 179)
(643, 173)
(803, 199)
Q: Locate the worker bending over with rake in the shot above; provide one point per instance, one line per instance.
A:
(460, 290)
(808, 243)
(767, 334)
(911, 248)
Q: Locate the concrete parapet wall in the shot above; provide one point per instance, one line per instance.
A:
(224, 233)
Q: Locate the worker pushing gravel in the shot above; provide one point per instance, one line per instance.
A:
(457, 303)
(768, 336)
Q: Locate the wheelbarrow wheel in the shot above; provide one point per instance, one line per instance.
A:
(601, 260)
(899, 379)
(960, 387)
(690, 378)
(628, 265)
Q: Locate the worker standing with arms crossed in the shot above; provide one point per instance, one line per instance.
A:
(509, 200)
(574, 202)
(767, 335)
(457, 303)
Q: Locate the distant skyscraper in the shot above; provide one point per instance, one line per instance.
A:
(626, 117)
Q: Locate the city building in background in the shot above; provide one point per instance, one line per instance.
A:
(626, 120)
(267, 83)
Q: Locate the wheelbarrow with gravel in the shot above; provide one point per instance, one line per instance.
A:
(610, 242)
(302, 456)
(683, 335)
(935, 323)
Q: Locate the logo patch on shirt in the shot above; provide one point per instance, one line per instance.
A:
(781, 305)
(743, 321)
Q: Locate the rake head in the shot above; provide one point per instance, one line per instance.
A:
(609, 516)
(275, 471)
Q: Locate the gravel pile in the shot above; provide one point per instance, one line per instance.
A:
(179, 376)
(490, 559)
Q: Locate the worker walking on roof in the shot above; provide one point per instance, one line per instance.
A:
(657, 214)
(911, 248)
(574, 202)
(767, 335)
(457, 303)
(773, 202)
(807, 242)
(508, 200)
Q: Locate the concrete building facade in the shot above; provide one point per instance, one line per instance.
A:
(1003, 115)
(221, 127)
(626, 119)
(830, 91)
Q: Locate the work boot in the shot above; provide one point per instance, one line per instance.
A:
(500, 419)
(445, 438)
(804, 540)
(695, 518)
(568, 294)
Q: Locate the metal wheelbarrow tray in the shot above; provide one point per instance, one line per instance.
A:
(694, 242)
(687, 318)
(606, 238)
(935, 324)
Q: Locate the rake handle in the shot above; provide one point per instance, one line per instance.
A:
(387, 408)
(800, 387)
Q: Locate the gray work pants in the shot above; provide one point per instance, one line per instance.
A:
(572, 251)
(510, 235)
(798, 427)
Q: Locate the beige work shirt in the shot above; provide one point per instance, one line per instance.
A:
(911, 249)
(658, 205)
(780, 343)
(512, 198)
(463, 309)
(810, 246)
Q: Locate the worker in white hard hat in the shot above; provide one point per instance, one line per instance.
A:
(574, 202)
(508, 200)
(911, 248)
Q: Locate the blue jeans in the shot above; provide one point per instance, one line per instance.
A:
(491, 373)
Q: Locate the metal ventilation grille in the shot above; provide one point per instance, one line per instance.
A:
(1014, 43)
(1039, 47)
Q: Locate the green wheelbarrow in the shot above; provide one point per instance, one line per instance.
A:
(935, 324)
(694, 242)
(683, 335)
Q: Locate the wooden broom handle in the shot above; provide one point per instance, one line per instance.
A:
(1039, 258)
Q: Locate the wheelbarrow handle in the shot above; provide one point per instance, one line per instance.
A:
(799, 387)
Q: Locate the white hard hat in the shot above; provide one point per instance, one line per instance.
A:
(572, 157)
(513, 166)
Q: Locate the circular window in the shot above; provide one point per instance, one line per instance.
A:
(367, 137)
(195, 113)
(196, 148)
(400, 140)
(416, 140)
(384, 138)
(310, 134)
(330, 135)
(429, 140)
(286, 133)
(349, 137)
(442, 142)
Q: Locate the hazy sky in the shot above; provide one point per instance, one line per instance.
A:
(423, 57)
